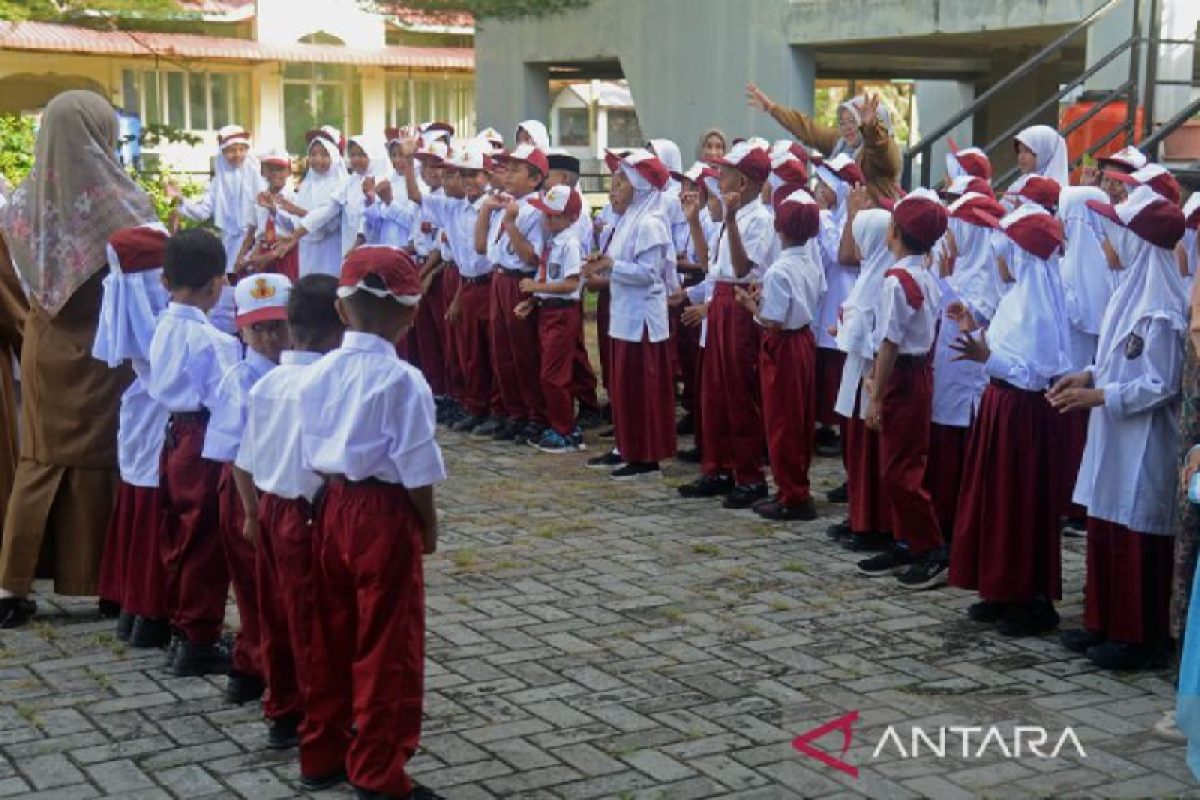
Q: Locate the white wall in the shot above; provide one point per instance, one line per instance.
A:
(937, 101)
(287, 21)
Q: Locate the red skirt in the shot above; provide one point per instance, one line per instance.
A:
(430, 332)
(643, 400)
(1073, 440)
(943, 476)
(787, 366)
(869, 507)
(1128, 592)
(110, 583)
(829, 381)
(145, 575)
(603, 340)
(1007, 532)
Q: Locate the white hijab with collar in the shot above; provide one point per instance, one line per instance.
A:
(870, 230)
(1051, 150)
(976, 279)
(631, 237)
(1087, 280)
(318, 188)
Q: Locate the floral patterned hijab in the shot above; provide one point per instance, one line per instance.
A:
(58, 220)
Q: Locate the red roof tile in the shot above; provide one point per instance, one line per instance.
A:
(47, 37)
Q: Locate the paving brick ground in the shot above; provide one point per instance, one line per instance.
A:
(597, 640)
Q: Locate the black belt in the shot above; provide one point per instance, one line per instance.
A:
(514, 273)
(911, 362)
(191, 416)
(344, 481)
(478, 280)
(557, 302)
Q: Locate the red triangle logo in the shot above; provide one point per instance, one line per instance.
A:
(845, 724)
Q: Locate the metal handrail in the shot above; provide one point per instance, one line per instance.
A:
(1150, 144)
(927, 142)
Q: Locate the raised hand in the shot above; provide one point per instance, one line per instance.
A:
(757, 98)
(868, 110)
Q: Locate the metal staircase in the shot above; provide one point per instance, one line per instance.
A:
(1134, 93)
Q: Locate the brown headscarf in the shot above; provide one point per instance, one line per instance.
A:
(77, 195)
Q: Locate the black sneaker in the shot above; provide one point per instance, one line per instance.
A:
(508, 429)
(172, 650)
(828, 450)
(927, 571)
(692, 456)
(1123, 656)
(148, 633)
(1078, 640)
(417, 793)
(840, 495)
(778, 512)
(488, 427)
(16, 612)
(242, 688)
(870, 542)
(607, 433)
(841, 532)
(743, 496)
(589, 418)
(319, 783)
(686, 425)
(284, 733)
(637, 472)
(987, 611)
(707, 486)
(1029, 619)
(609, 461)
(125, 626)
(469, 423)
(109, 609)
(531, 434)
(1074, 527)
(197, 660)
(889, 562)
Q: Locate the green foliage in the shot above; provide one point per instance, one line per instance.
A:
(153, 184)
(481, 9)
(897, 96)
(17, 137)
(59, 10)
(153, 135)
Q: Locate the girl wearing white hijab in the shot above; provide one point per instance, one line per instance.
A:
(230, 202)
(668, 153)
(533, 132)
(1006, 534)
(321, 238)
(639, 259)
(1128, 477)
(368, 161)
(1041, 150)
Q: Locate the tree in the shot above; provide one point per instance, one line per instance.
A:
(481, 9)
(81, 11)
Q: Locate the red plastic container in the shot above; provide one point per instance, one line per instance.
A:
(1107, 119)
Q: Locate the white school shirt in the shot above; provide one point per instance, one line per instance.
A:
(285, 223)
(426, 231)
(456, 217)
(141, 430)
(391, 223)
(201, 209)
(188, 357)
(224, 434)
(839, 278)
(909, 323)
(270, 450)
(792, 290)
(957, 385)
(638, 282)
(757, 227)
(499, 247)
(365, 413)
(1130, 469)
(564, 260)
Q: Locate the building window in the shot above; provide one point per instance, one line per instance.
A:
(623, 128)
(193, 101)
(316, 95)
(573, 127)
(413, 100)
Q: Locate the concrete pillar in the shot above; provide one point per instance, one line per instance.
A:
(266, 86)
(937, 101)
(802, 89)
(374, 100)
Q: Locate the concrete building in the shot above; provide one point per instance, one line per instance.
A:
(687, 61)
(278, 67)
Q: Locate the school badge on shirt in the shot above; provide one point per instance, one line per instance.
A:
(1134, 347)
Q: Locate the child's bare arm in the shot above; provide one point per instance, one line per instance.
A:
(423, 502)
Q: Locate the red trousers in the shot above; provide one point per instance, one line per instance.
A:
(904, 455)
(429, 329)
(603, 340)
(1007, 532)
(1073, 441)
(558, 333)
(688, 351)
(367, 657)
(197, 574)
(1128, 592)
(284, 568)
(943, 475)
(240, 559)
(515, 352)
(787, 367)
(864, 477)
(142, 511)
(643, 400)
(111, 582)
(830, 362)
(733, 430)
(451, 335)
(583, 377)
(474, 346)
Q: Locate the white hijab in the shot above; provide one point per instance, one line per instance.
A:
(1087, 280)
(632, 236)
(1030, 325)
(1051, 151)
(537, 131)
(976, 279)
(376, 149)
(882, 112)
(235, 192)
(1150, 288)
(316, 189)
(870, 229)
(825, 173)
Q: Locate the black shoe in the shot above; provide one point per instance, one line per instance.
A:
(242, 688)
(692, 456)
(456, 414)
(16, 611)
(609, 461)
(607, 433)
(109, 609)
(1029, 619)
(125, 626)
(987, 611)
(530, 434)
(777, 511)
(889, 562)
(743, 496)
(508, 429)
(1127, 656)
(284, 733)
(172, 650)
(839, 495)
(707, 486)
(824, 435)
(869, 542)
(841, 532)
(637, 472)
(418, 793)
(1078, 640)
(488, 427)
(468, 423)
(829, 450)
(927, 571)
(320, 783)
(686, 426)
(589, 418)
(1074, 527)
(196, 660)
(149, 633)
